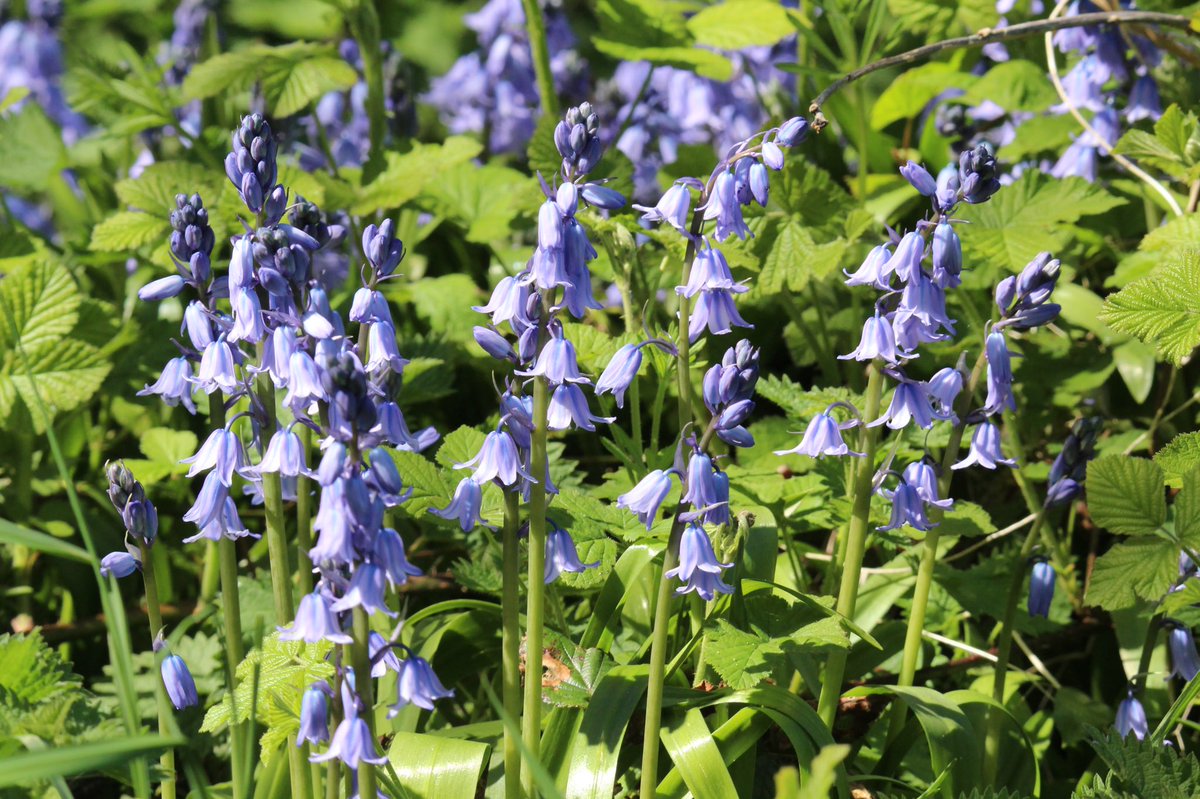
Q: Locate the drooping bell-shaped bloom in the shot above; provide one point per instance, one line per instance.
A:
(352, 742)
(508, 303)
(224, 524)
(315, 621)
(497, 459)
(304, 381)
(384, 353)
(465, 506)
(119, 564)
(141, 520)
(620, 373)
(1185, 662)
(381, 247)
(210, 502)
(947, 256)
(645, 498)
(696, 556)
(671, 208)
(314, 715)
(1131, 718)
(910, 403)
(724, 207)
(922, 476)
(247, 317)
(878, 341)
(906, 262)
(1144, 102)
(366, 591)
(908, 508)
(944, 388)
(217, 370)
(985, 449)
(181, 688)
(875, 270)
(920, 178)
(161, 289)
(174, 385)
(999, 375)
(416, 684)
(706, 585)
(714, 310)
(823, 436)
(561, 555)
(556, 362)
(1041, 589)
(284, 456)
(222, 452)
(700, 490)
(383, 655)
(493, 344)
(569, 407)
(389, 551)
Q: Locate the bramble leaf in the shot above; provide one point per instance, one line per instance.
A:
(1125, 495)
(1163, 308)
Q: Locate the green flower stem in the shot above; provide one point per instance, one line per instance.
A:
(360, 656)
(277, 548)
(510, 612)
(536, 27)
(164, 706)
(1004, 650)
(856, 543)
(531, 722)
(920, 602)
(210, 577)
(364, 27)
(304, 520)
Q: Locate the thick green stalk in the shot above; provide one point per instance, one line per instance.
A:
(531, 722)
(361, 658)
(364, 27)
(210, 577)
(277, 548)
(1004, 651)
(304, 520)
(510, 654)
(856, 544)
(920, 603)
(150, 580)
(658, 659)
(535, 25)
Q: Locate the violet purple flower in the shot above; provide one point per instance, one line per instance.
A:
(181, 688)
(645, 499)
(985, 449)
(1041, 588)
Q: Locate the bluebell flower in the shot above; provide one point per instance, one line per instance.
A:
(878, 341)
(561, 555)
(977, 174)
(910, 403)
(823, 436)
(700, 489)
(1131, 718)
(772, 156)
(366, 591)
(465, 506)
(284, 456)
(384, 479)
(1023, 298)
(247, 317)
(1069, 468)
(601, 196)
(352, 742)
(985, 449)
(223, 452)
(908, 508)
(389, 551)
(723, 206)
(718, 512)
(706, 585)
(999, 375)
(714, 310)
(906, 261)
(944, 388)
(645, 499)
(621, 371)
(696, 556)
(569, 407)
(335, 542)
(923, 300)
(217, 371)
(792, 132)
(517, 411)
(369, 306)
(251, 166)
(304, 382)
(922, 477)
(119, 564)
(947, 256)
(1185, 662)
(175, 385)
(556, 362)
(210, 502)
(181, 688)
(494, 344)
(672, 207)
(314, 715)
(497, 459)
(141, 520)
(416, 684)
(1041, 589)
(224, 524)
(920, 178)
(381, 247)
(315, 621)
(875, 269)
(383, 655)
(1144, 102)
(161, 289)
(710, 271)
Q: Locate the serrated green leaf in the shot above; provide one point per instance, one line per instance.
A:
(31, 150)
(459, 446)
(968, 520)
(407, 175)
(704, 63)
(1032, 215)
(303, 82)
(1162, 309)
(129, 230)
(912, 90)
(1186, 510)
(68, 373)
(1141, 568)
(1015, 85)
(292, 75)
(1179, 457)
(41, 303)
(1148, 149)
(484, 200)
(154, 190)
(642, 23)
(736, 24)
(1125, 495)
(1176, 234)
(1174, 128)
(431, 486)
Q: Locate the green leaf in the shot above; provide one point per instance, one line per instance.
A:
(129, 230)
(1141, 568)
(44, 764)
(696, 756)
(1179, 457)
(704, 63)
(592, 764)
(911, 91)
(576, 675)
(1187, 510)
(16, 535)
(67, 373)
(484, 200)
(154, 190)
(31, 150)
(41, 303)
(1032, 215)
(642, 23)
(736, 24)
(407, 175)
(459, 446)
(434, 765)
(1162, 309)
(295, 87)
(968, 520)
(1175, 129)
(1150, 150)
(1016, 85)
(740, 657)
(1176, 234)
(1125, 495)
(292, 75)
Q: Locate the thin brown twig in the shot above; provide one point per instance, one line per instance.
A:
(989, 35)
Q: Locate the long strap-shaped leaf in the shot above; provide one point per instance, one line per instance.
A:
(16, 534)
(432, 765)
(46, 764)
(697, 758)
(592, 766)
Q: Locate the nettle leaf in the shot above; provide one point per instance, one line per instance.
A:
(1162, 309)
(1178, 233)
(460, 446)
(740, 657)
(1175, 129)
(1032, 215)
(432, 487)
(572, 674)
(735, 24)
(129, 230)
(1141, 568)
(407, 175)
(1179, 457)
(1150, 150)
(907, 95)
(1146, 768)
(1125, 495)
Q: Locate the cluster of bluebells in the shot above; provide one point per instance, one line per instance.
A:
(268, 325)
(140, 519)
(529, 307)
(493, 89)
(739, 179)
(183, 51)
(1111, 80)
